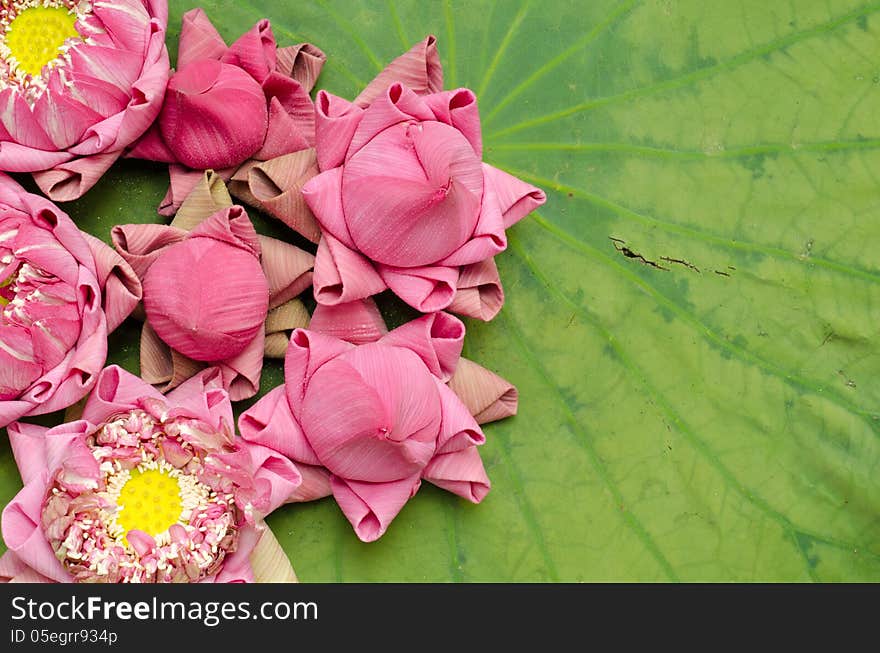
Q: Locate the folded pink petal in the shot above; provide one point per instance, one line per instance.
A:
(342, 275)
(336, 120)
(394, 105)
(283, 134)
(152, 147)
(24, 537)
(270, 423)
(516, 198)
(21, 158)
(68, 181)
(287, 269)
(427, 289)
(203, 396)
(296, 102)
(307, 353)
(63, 118)
(254, 51)
(419, 68)
(14, 570)
(241, 373)
(371, 507)
(436, 338)
(487, 396)
(357, 322)
(461, 473)
(116, 391)
(237, 565)
(458, 108)
(199, 39)
(303, 62)
(479, 293)
(121, 287)
(315, 484)
(323, 194)
(28, 448)
(141, 244)
(459, 430)
(282, 475)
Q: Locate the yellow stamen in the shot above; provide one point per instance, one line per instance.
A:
(3, 284)
(151, 502)
(35, 36)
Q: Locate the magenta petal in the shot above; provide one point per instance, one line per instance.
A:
(426, 289)
(419, 68)
(461, 473)
(336, 120)
(370, 507)
(254, 51)
(306, 353)
(116, 391)
(357, 322)
(323, 194)
(437, 339)
(343, 275)
(29, 449)
(283, 135)
(199, 39)
(24, 537)
(296, 102)
(270, 423)
(151, 147)
(281, 474)
(516, 198)
(396, 104)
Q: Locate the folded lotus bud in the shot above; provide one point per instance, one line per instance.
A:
(201, 121)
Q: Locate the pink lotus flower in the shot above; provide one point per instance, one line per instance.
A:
(368, 422)
(207, 296)
(144, 488)
(404, 200)
(231, 107)
(61, 292)
(80, 81)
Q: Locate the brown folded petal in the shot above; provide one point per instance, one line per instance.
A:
(280, 321)
(487, 396)
(161, 365)
(419, 69)
(269, 562)
(208, 197)
(287, 269)
(479, 293)
(303, 62)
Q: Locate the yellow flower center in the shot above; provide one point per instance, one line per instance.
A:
(150, 502)
(35, 36)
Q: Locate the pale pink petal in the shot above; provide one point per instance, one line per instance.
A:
(436, 338)
(479, 293)
(315, 484)
(336, 120)
(29, 449)
(461, 473)
(141, 244)
(117, 391)
(121, 288)
(323, 194)
(459, 430)
(516, 199)
(241, 373)
(276, 187)
(63, 118)
(270, 423)
(303, 62)
(69, 181)
(21, 158)
(357, 322)
(281, 474)
(419, 68)
(427, 289)
(370, 507)
(24, 537)
(237, 565)
(19, 122)
(487, 396)
(215, 115)
(156, 364)
(140, 541)
(459, 109)
(14, 570)
(254, 51)
(307, 352)
(199, 39)
(342, 275)
(287, 269)
(203, 397)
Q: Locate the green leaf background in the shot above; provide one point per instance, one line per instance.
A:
(692, 319)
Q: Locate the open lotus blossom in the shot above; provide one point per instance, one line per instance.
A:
(213, 289)
(230, 107)
(61, 292)
(144, 488)
(367, 422)
(80, 81)
(403, 198)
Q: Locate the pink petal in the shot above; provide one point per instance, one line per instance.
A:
(151, 147)
(342, 275)
(14, 570)
(283, 134)
(22, 126)
(461, 473)
(64, 118)
(315, 484)
(117, 391)
(241, 374)
(459, 430)
(419, 68)
(21, 158)
(199, 39)
(215, 115)
(296, 102)
(254, 51)
(459, 109)
(303, 62)
(121, 288)
(426, 289)
(183, 181)
(396, 104)
(140, 541)
(282, 475)
(24, 537)
(323, 194)
(287, 269)
(370, 507)
(270, 423)
(307, 353)
(336, 120)
(437, 339)
(479, 293)
(237, 566)
(203, 397)
(29, 449)
(516, 199)
(125, 23)
(141, 244)
(357, 322)
(69, 181)
(487, 396)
